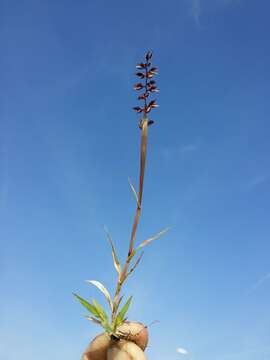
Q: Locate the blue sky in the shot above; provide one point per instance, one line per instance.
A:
(69, 140)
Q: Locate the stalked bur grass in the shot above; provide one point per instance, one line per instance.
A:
(147, 85)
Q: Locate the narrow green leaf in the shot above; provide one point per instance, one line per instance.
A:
(114, 255)
(117, 303)
(136, 264)
(103, 316)
(134, 192)
(123, 312)
(155, 237)
(93, 319)
(101, 313)
(102, 288)
(107, 327)
(87, 305)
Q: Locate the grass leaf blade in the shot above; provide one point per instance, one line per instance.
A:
(87, 305)
(104, 291)
(134, 192)
(136, 264)
(114, 255)
(103, 316)
(101, 312)
(123, 312)
(155, 237)
(93, 319)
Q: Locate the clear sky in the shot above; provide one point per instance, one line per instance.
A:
(69, 140)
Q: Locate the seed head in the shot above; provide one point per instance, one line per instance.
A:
(146, 73)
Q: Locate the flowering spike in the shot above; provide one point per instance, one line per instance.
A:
(138, 109)
(153, 103)
(154, 69)
(148, 55)
(146, 73)
(140, 75)
(154, 89)
(138, 86)
(144, 96)
(141, 66)
(150, 74)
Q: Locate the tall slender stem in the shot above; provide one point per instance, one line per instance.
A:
(122, 276)
(142, 170)
(148, 87)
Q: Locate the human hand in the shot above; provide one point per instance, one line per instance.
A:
(130, 345)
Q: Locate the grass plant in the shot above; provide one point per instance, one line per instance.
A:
(146, 88)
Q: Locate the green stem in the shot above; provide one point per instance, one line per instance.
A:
(122, 277)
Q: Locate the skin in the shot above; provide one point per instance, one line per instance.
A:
(136, 333)
(125, 350)
(103, 348)
(97, 350)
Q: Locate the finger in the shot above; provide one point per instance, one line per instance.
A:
(134, 331)
(97, 350)
(125, 350)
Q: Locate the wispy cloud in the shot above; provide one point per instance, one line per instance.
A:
(196, 7)
(257, 181)
(196, 10)
(262, 280)
(181, 351)
(168, 152)
(188, 148)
